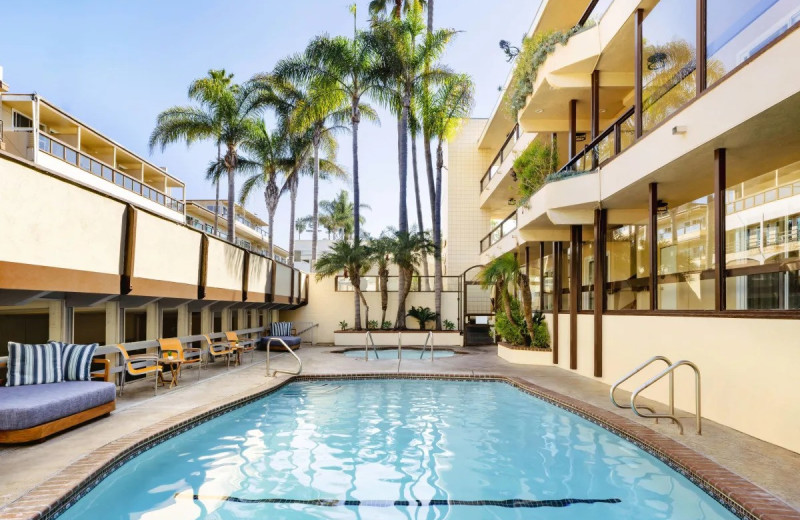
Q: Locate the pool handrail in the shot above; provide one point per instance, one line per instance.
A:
(636, 371)
(428, 338)
(368, 338)
(288, 348)
(670, 371)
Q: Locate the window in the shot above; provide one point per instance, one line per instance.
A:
(21, 121)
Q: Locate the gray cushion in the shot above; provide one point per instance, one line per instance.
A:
(289, 340)
(31, 405)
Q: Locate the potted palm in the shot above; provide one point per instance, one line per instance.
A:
(423, 315)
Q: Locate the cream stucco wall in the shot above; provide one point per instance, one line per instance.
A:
(328, 307)
(165, 251)
(34, 226)
(283, 280)
(259, 277)
(225, 265)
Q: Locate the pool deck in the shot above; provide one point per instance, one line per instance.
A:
(62, 460)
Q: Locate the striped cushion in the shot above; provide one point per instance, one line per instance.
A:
(280, 328)
(76, 360)
(33, 364)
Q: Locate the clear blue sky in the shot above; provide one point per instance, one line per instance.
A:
(116, 65)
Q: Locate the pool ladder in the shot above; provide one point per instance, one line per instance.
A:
(668, 371)
(289, 349)
(368, 340)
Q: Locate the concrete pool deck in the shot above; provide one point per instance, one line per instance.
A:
(140, 416)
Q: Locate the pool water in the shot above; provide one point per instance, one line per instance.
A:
(393, 448)
(408, 353)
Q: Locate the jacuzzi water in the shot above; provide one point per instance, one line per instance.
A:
(408, 353)
(421, 449)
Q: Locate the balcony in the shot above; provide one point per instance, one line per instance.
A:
(55, 148)
(504, 152)
(501, 230)
(607, 145)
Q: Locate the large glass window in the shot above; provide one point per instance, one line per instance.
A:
(668, 59)
(566, 256)
(738, 29)
(587, 276)
(686, 256)
(762, 241)
(548, 276)
(628, 267)
(534, 275)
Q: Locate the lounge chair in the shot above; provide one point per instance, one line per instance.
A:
(139, 364)
(219, 349)
(242, 345)
(173, 346)
(281, 330)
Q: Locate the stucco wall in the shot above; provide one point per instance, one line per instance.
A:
(165, 251)
(225, 265)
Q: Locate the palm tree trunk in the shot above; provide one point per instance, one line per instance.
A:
(292, 207)
(355, 280)
(402, 295)
(527, 304)
(415, 170)
(315, 215)
(216, 201)
(231, 164)
(437, 237)
(403, 164)
(356, 192)
(271, 230)
(383, 273)
(430, 16)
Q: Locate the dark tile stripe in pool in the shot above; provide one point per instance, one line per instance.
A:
(509, 503)
(746, 500)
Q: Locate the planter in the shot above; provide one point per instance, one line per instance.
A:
(389, 338)
(524, 355)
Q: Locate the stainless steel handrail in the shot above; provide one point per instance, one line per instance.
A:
(427, 339)
(368, 339)
(670, 370)
(636, 371)
(399, 349)
(299, 362)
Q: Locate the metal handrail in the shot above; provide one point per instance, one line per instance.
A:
(427, 339)
(636, 371)
(299, 362)
(369, 339)
(669, 370)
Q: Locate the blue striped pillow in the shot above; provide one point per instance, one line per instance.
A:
(76, 360)
(34, 364)
(281, 328)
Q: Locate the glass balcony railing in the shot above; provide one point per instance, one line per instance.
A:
(611, 141)
(505, 149)
(764, 197)
(71, 156)
(504, 228)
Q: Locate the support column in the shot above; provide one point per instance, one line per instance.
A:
(541, 276)
(599, 287)
(595, 101)
(719, 228)
(574, 292)
(701, 69)
(206, 320)
(153, 328)
(638, 17)
(113, 325)
(556, 296)
(573, 127)
(184, 320)
(652, 235)
(56, 311)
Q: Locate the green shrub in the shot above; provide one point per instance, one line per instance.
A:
(448, 325)
(541, 336)
(512, 330)
(343, 325)
(423, 315)
(532, 167)
(372, 324)
(386, 325)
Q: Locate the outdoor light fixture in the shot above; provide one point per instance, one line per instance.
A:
(602, 110)
(538, 110)
(678, 130)
(579, 137)
(662, 208)
(513, 175)
(512, 201)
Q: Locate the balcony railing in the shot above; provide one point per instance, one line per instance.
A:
(71, 156)
(757, 199)
(511, 139)
(418, 284)
(502, 229)
(610, 142)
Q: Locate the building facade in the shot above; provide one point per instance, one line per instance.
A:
(667, 220)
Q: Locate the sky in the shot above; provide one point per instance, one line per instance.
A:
(116, 65)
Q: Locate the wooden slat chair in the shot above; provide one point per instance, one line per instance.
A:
(139, 364)
(243, 345)
(219, 349)
(174, 345)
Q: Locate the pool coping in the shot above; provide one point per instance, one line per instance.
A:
(56, 494)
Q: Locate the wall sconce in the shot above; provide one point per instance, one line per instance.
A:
(662, 208)
(513, 175)
(512, 201)
(678, 130)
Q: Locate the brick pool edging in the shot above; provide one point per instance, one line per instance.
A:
(56, 494)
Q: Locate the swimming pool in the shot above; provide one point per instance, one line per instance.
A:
(391, 353)
(396, 448)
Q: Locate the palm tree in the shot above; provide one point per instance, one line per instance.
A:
(380, 7)
(381, 250)
(349, 67)
(225, 114)
(337, 215)
(206, 89)
(268, 163)
(302, 224)
(407, 251)
(502, 273)
(443, 111)
(354, 259)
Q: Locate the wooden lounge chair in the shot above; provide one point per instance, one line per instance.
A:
(139, 364)
(242, 345)
(173, 346)
(219, 349)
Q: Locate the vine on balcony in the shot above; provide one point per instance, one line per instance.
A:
(532, 167)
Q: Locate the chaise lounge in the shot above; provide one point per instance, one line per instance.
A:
(281, 330)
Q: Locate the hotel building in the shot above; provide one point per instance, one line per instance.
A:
(669, 225)
(99, 244)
